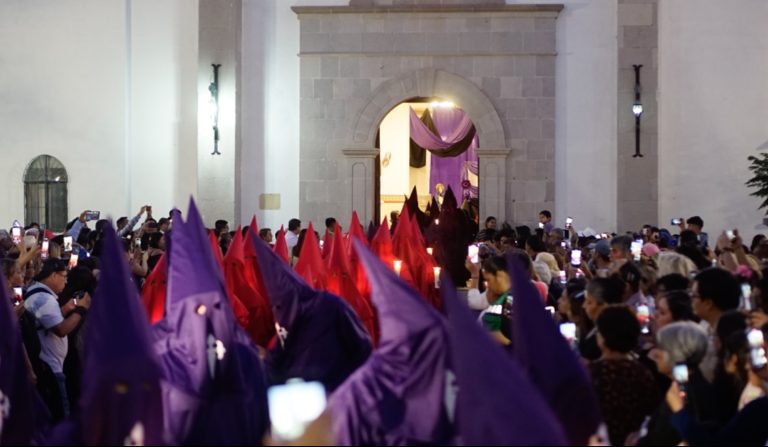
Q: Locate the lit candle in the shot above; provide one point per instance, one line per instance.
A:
(398, 264)
(437, 221)
(437, 276)
(429, 251)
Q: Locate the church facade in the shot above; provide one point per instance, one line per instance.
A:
(119, 94)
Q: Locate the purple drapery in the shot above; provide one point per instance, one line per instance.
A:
(453, 124)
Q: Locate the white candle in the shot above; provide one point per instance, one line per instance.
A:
(398, 264)
(436, 270)
(429, 251)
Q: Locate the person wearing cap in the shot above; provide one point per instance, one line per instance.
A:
(600, 263)
(54, 322)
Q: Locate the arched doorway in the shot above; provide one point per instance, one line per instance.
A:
(45, 192)
(362, 150)
(429, 144)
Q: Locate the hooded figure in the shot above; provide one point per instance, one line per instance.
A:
(216, 390)
(23, 415)
(496, 404)
(550, 362)
(121, 402)
(319, 335)
(397, 396)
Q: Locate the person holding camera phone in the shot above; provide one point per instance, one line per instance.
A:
(125, 226)
(55, 323)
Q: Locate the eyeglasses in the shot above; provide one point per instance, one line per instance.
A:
(62, 274)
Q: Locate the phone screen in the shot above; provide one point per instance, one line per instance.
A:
(680, 373)
(644, 317)
(44, 249)
(18, 296)
(637, 247)
(473, 251)
(676, 221)
(67, 244)
(563, 278)
(92, 215)
(293, 406)
(576, 258)
(73, 260)
(568, 330)
(16, 234)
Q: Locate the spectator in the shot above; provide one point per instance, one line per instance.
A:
(292, 236)
(625, 388)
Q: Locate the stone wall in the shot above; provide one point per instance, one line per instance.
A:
(637, 177)
(496, 62)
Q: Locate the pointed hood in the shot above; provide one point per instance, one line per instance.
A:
(238, 288)
(121, 372)
(381, 243)
(153, 294)
(216, 391)
(281, 245)
(20, 420)
(326, 250)
(550, 363)
(396, 397)
(415, 211)
(356, 230)
(449, 201)
(340, 281)
(495, 405)
(216, 248)
(262, 324)
(319, 337)
(310, 265)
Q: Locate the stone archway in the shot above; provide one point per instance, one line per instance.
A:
(361, 148)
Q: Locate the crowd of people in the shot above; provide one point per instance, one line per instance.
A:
(658, 334)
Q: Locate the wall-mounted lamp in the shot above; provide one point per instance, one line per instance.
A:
(213, 88)
(637, 110)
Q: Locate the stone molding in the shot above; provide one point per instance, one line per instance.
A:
(535, 8)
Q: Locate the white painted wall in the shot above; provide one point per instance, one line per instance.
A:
(61, 93)
(71, 86)
(713, 109)
(585, 114)
(270, 108)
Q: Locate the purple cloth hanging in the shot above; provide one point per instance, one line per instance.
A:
(451, 171)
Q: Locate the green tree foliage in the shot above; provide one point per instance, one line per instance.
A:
(759, 166)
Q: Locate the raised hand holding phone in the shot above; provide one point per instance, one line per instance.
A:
(293, 406)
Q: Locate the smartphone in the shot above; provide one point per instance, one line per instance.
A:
(92, 215)
(644, 317)
(73, 260)
(541, 225)
(44, 250)
(676, 220)
(680, 374)
(293, 406)
(551, 310)
(757, 355)
(16, 234)
(746, 295)
(568, 331)
(637, 247)
(576, 258)
(473, 251)
(563, 278)
(568, 221)
(137, 243)
(18, 296)
(67, 244)
(730, 234)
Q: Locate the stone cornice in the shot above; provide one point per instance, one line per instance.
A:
(533, 8)
(361, 152)
(500, 152)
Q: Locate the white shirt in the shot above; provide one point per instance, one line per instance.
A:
(45, 307)
(291, 239)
